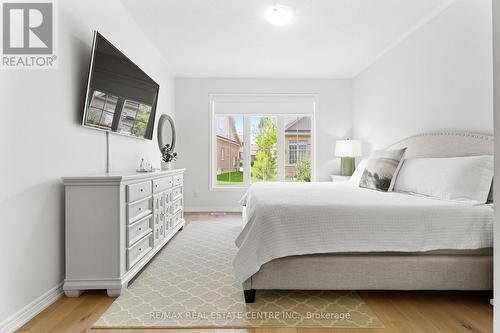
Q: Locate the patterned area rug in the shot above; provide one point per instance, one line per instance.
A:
(190, 284)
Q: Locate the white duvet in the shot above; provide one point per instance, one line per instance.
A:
(287, 219)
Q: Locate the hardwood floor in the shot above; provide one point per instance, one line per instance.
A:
(413, 312)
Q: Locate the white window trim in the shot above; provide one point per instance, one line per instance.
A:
(258, 98)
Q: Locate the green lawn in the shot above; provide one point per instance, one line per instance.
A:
(229, 178)
(235, 178)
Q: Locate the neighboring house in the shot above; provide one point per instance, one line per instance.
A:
(229, 145)
(297, 144)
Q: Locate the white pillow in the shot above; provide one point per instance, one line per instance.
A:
(463, 179)
(358, 172)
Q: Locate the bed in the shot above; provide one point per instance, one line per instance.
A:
(376, 240)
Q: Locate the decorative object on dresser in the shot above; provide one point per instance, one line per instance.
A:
(338, 178)
(168, 157)
(166, 141)
(115, 223)
(145, 166)
(348, 150)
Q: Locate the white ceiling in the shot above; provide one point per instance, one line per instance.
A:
(230, 38)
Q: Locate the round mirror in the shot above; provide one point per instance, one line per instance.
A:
(166, 132)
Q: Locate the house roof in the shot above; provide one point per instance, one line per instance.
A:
(299, 125)
(230, 133)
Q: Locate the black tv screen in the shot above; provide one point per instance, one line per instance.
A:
(120, 98)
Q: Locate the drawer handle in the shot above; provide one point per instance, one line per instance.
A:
(140, 249)
(140, 208)
(140, 229)
(142, 190)
(156, 186)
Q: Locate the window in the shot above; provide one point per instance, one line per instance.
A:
(260, 145)
(228, 140)
(298, 138)
(264, 149)
(134, 118)
(115, 113)
(101, 110)
(261, 138)
(297, 151)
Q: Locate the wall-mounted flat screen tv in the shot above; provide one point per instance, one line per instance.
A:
(120, 98)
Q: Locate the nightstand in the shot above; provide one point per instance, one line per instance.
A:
(338, 178)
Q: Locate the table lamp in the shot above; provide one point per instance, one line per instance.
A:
(347, 150)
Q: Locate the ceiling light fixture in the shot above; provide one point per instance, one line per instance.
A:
(279, 15)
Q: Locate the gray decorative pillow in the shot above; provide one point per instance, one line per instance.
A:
(381, 169)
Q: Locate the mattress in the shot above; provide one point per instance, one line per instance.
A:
(286, 219)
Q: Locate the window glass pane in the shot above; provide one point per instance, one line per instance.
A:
(297, 148)
(263, 153)
(98, 100)
(229, 150)
(101, 110)
(134, 118)
(93, 116)
(110, 104)
(262, 140)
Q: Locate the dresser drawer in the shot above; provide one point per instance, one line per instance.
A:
(138, 191)
(139, 250)
(162, 184)
(178, 180)
(176, 205)
(138, 230)
(177, 192)
(139, 209)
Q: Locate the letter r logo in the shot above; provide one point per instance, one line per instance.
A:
(27, 28)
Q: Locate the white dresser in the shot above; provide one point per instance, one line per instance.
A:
(115, 224)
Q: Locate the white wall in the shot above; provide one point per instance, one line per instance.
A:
(41, 140)
(496, 84)
(438, 78)
(333, 121)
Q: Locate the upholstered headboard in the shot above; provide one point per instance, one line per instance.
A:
(446, 144)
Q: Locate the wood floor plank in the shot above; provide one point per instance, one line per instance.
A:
(52, 314)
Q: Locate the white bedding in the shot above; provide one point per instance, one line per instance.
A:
(287, 219)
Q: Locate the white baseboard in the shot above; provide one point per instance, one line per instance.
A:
(24, 315)
(203, 209)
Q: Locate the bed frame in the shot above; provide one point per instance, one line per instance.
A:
(433, 270)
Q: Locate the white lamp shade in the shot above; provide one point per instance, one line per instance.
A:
(348, 148)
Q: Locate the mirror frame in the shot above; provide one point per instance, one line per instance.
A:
(161, 123)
